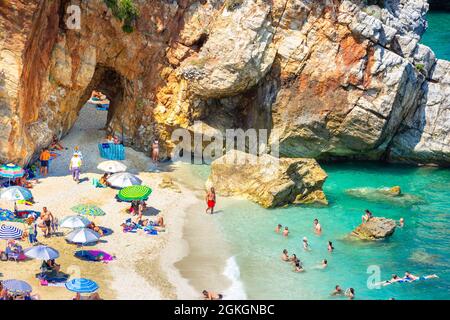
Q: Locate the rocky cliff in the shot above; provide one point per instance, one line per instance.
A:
(330, 79)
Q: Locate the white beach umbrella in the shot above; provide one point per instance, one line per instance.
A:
(111, 166)
(15, 193)
(73, 222)
(41, 252)
(83, 236)
(124, 179)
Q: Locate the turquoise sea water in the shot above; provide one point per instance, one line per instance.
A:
(421, 247)
(437, 37)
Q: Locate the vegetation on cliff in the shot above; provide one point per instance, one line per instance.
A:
(124, 10)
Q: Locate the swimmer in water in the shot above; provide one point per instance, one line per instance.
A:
(401, 223)
(330, 246)
(298, 267)
(410, 277)
(285, 255)
(350, 293)
(278, 228)
(293, 259)
(306, 244)
(317, 226)
(337, 291)
(286, 231)
(324, 263)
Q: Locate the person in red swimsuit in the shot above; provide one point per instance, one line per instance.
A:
(211, 200)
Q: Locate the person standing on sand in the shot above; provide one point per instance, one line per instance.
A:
(76, 150)
(44, 158)
(211, 200)
(155, 151)
(47, 218)
(75, 166)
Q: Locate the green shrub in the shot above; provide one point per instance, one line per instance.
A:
(420, 67)
(124, 10)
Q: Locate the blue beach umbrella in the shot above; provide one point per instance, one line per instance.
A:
(17, 286)
(41, 253)
(10, 232)
(81, 285)
(16, 193)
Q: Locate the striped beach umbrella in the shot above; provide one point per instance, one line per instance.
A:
(8, 232)
(112, 166)
(123, 180)
(134, 193)
(74, 222)
(11, 171)
(41, 252)
(88, 210)
(16, 193)
(82, 285)
(83, 236)
(17, 286)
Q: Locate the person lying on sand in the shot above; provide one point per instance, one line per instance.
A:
(209, 295)
(96, 228)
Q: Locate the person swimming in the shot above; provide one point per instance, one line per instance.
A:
(285, 255)
(317, 226)
(298, 267)
(294, 259)
(350, 293)
(337, 291)
(278, 228)
(286, 231)
(306, 244)
(401, 223)
(330, 246)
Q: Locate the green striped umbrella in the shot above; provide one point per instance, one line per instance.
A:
(134, 193)
(88, 210)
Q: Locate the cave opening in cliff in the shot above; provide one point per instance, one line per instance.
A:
(111, 84)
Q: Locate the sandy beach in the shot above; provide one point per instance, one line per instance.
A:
(145, 264)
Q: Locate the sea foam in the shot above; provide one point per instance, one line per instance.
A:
(236, 291)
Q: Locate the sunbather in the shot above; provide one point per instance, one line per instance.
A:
(96, 228)
(56, 145)
(104, 180)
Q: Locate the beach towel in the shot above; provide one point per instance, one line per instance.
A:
(94, 255)
(112, 151)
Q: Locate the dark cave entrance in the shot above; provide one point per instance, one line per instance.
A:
(110, 83)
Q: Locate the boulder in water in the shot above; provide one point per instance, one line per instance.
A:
(392, 195)
(269, 181)
(375, 229)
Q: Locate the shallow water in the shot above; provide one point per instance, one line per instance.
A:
(437, 37)
(421, 247)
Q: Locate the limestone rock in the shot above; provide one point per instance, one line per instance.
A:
(375, 229)
(269, 181)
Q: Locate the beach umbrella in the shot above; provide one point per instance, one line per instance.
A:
(112, 166)
(81, 285)
(16, 286)
(15, 193)
(83, 236)
(124, 179)
(134, 193)
(73, 222)
(8, 232)
(88, 210)
(41, 252)
(11, 171)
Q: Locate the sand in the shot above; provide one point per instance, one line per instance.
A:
(145, 264)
